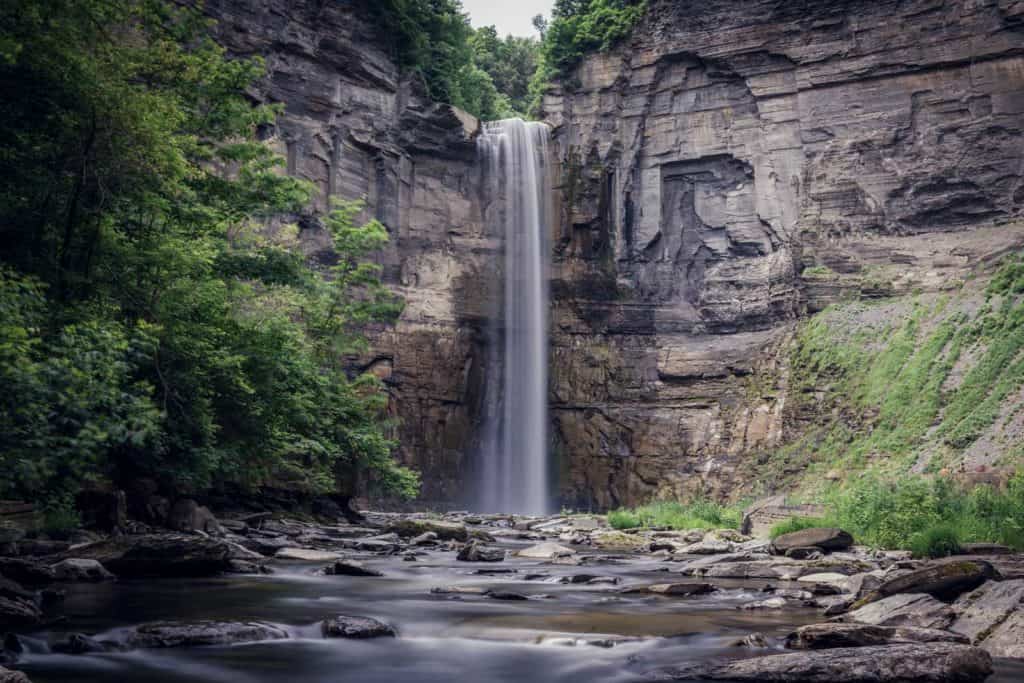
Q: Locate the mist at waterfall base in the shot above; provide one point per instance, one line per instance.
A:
(513, 467)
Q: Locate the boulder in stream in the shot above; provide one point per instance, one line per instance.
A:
(200, 633)
(477, 552)
(8, 676)
(77, 570)
(834, 635)
(343, 626)
(920, 663)
(546, 551)
(992, 616)
(159, 555)
(446, 531)
(350, 568)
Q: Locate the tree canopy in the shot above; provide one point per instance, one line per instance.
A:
(150, 325)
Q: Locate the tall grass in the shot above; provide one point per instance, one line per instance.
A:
(699, 514)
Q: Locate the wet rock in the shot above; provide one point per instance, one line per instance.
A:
(355, 627)
(827, 636)
(617, 540)
(709, 546)
(677, 589)
(265, 545)
(159, 555)
(458, 590)
(826, 578)
(188, 515)
(8, 676)
(27, 572)
(80, 644)
(907, 609)
(476, 552)
(350, 568)
(446, 531)
(945, 580)
(920, 663)
(306, 555)
(77, 570)
(246, 567)
(200, 633)
(779, 568)
(985, 549)
(429, 538)
(546, 551)
(17, 613)
(992, 617)
(505, 595)
(768, 603)
(754, 641)
(804, 553)
(824, 539)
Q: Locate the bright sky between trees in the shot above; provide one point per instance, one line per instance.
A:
(508, 16)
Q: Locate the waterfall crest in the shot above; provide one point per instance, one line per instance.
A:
(514, 471)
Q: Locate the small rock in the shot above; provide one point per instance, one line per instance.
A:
(8, 676)
(79, 644)
(709, 546)
(446, 531)
(428, 538)
(476, 552)
(355, 627)
(546, 551)
(677, 589)
(804, 553)
(769, 603)
(458, 590)
(188, 515)
(81, 571)
(753, 641)
(505, 595)
(350, 568)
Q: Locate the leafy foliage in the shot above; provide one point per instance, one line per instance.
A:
(700, 514)
(937, 541)
(578, 28)
(474, 70)
(150, 326)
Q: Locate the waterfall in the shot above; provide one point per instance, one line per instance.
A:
(514, 469)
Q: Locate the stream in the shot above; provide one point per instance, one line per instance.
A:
(562, 632)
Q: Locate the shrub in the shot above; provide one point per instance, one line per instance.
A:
(936, 541)
(700, 514)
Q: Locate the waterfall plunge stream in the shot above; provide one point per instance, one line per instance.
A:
(515, 466)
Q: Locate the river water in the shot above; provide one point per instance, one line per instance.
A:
(563, 633)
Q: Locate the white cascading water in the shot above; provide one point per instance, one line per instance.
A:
(515, 467)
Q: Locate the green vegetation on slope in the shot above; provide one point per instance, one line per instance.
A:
(149, 326)
(891, 399)
(673, 515)
(930, 516)
(578, 28)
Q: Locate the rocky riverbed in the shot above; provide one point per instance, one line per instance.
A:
(501, 598)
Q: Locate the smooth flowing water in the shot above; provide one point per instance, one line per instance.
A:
(515, 463)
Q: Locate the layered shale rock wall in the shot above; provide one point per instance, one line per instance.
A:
(356, 128)
(714, 167)
(733, 167)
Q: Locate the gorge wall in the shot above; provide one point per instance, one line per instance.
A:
(715, 166)
(732, 168)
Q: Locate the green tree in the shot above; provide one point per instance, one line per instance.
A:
(152, 327)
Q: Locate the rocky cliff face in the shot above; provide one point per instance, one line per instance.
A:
(736, 165)
(357, 129)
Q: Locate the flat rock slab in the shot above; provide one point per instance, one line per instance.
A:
(202, 633)
(676, 589)
(946, 579)
(546, 551)
(355, 627)
(833, 635)
(446, 531)
(305, 554)
(159, 555)
(927, 663)
(992, 616)
(907, 609)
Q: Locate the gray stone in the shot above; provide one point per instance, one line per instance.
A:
(343, 626)
(833, 635)
(920, 663)
(906, 609)
(991, 617)
(81, 571)
(188, 515)
(350, 568)
(822, 538)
